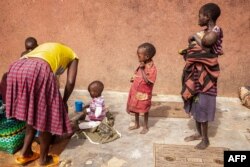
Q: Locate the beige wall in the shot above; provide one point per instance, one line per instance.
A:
(105, 34)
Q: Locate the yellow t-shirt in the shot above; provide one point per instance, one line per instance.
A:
(57, 55)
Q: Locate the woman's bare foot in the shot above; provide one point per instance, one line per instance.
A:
(27, 153)
(144, 131)
(48, 160)
(202, 145)
(22, 160)
(134, 127)
(193, 137)
(51, 160)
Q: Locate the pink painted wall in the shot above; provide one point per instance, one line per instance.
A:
(105, 34)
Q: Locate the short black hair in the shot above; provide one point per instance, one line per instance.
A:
(150, 49)
(212, 10)
(30, 43)
(96, 84)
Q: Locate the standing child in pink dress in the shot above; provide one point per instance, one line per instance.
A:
(140, 94)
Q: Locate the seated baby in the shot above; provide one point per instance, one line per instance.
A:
(96, 108)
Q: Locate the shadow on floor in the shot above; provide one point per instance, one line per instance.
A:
(167, 110)
(212, 126)
(161, 110)
(152, 121)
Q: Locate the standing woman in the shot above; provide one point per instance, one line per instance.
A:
(33, 96)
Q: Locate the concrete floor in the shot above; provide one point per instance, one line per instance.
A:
(231, 129)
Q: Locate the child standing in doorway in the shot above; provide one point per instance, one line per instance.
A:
(201, 73)
(140, 94)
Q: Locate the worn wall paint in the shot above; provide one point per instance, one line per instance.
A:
(105, 34)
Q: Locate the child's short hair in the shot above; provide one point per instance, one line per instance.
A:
(150, 49)
(30, 43)
(212, 10)
(97, 85)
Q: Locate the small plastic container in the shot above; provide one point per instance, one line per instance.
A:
(79, 105)
(37, 133)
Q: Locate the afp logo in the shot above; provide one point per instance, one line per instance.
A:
(236, 158)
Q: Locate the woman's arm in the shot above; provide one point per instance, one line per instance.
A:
(71, 78)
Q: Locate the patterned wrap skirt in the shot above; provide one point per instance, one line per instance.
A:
(202, 107)
(33, 96)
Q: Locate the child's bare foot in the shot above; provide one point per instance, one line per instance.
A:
(202, 145)
(144, 131)
(134, 127)
(193, 137)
